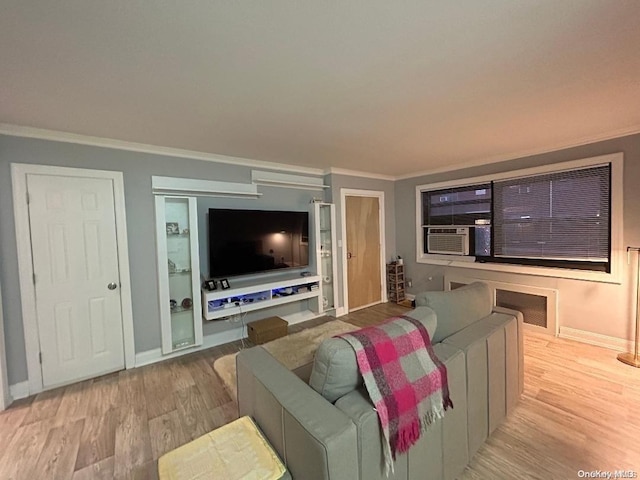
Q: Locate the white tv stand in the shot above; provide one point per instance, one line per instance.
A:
(250, 295)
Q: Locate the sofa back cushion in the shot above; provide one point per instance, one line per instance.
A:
(335, 368)
(458, 308)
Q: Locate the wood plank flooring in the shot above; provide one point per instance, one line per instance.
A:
(580, 411)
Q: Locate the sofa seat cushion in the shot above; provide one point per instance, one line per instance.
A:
(335, 368)
(458, 308)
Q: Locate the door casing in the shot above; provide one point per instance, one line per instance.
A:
(347, 192)
(25, 261)
(5, 397)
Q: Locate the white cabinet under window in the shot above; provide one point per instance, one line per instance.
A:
(178, 272)
(323, 215)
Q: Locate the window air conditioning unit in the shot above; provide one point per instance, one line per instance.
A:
(448, 240)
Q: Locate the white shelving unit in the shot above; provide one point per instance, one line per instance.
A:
(178, 272)
(249, 295)
(324, 238)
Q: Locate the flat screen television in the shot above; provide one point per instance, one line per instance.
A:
(252, 241)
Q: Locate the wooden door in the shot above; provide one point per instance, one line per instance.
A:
(363, 251)
(77, 279)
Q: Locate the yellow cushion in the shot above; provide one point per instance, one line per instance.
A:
(232, 452)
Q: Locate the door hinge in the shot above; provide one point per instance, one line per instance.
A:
(40, 357)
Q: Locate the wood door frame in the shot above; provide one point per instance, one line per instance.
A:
(19, 174)
(350, 192)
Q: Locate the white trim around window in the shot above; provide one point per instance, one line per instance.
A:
(617, 224)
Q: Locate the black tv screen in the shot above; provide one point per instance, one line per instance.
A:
(250, 241)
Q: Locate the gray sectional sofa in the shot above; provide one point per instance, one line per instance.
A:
(325, 427)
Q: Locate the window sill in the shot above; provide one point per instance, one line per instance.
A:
(469, 262)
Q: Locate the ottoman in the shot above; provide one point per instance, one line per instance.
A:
(232, 452)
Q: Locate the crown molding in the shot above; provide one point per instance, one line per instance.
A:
(57, 136)
(527, 153)
(358, 173)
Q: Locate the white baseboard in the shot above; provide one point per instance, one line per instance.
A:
(614, 343)
(340, 311)
(19, 390)
(155, 355)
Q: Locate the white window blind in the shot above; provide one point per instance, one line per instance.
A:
(558, 216)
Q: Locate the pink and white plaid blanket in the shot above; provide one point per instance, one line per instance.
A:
(406, 381)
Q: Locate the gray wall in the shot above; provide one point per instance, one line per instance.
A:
(338, 182)
(596, 307)
(137, 169)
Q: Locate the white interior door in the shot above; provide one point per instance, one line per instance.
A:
(77, 281)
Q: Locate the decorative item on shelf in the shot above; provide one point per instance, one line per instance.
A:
(210, 285)
(173, 304)
(326, 279)
(172, 266)
(325, 302)
(185, 231)
(224, 283)
(186, 303)
(173, 228)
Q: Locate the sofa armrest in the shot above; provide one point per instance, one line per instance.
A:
(494, 358)
(313, 437)
(520, 333)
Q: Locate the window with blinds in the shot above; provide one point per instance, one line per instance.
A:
(561, 218)
(457, 206)
(556, 219)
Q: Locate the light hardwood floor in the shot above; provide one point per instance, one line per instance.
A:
(580, 411)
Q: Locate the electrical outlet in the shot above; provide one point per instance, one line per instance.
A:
(409, 282)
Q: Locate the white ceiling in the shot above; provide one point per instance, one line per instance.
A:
(371, 85)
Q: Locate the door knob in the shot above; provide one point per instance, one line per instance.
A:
(112, 286)
(349, 255)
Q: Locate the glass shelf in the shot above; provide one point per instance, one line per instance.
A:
(324, 216)
(180, 272)
(177, 236)
(176, 310)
